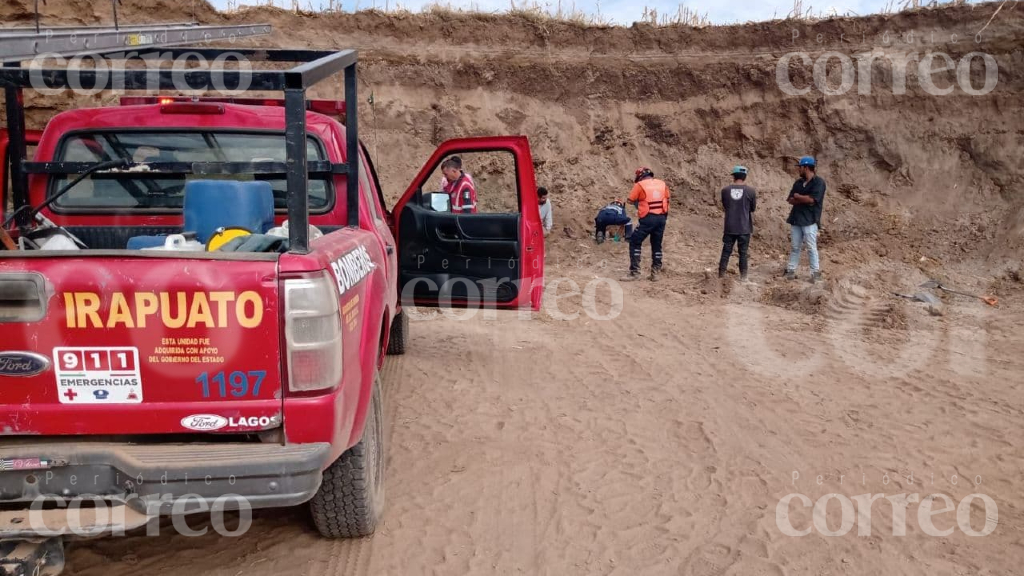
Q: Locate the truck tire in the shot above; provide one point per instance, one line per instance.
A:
(399, 334)
(351, 497)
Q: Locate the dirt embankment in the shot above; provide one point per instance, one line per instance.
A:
(911, 175)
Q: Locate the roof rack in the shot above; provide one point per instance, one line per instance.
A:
(313, 66)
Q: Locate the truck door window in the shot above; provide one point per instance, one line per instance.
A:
(136, 191)
(368, 194)
(375, 179)
(491, 175)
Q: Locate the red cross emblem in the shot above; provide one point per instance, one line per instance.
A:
(70, 394)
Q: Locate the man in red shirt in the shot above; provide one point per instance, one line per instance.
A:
(459, 186)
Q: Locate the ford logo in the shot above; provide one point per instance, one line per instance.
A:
(22, 364)
(204, 422)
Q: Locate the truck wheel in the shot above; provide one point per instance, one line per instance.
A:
(399, 333)
(351, 497)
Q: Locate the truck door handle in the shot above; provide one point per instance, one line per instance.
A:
(448, 233)
(391, 249)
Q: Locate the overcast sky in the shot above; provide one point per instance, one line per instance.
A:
(628, 11)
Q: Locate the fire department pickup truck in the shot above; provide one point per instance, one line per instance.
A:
(137, 377)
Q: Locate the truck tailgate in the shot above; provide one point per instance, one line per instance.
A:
(136, 345)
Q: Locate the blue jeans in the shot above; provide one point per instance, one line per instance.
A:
(802, 235)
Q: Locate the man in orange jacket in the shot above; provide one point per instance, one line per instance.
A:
(651, 197)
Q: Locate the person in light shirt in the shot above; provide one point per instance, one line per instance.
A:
(545, 209)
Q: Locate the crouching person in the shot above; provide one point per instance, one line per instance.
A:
(614, 214)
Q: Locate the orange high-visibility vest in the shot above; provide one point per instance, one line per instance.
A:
(652, 195)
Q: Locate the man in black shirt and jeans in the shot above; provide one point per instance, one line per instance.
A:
(739, 202)
(806, 197)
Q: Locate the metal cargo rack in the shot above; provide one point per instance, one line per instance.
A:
(24, 43)
(18, 44)
(313, 66)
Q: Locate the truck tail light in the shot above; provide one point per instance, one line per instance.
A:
(191, 108)
(312, 333)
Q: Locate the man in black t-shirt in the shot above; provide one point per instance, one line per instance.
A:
(806, 197)
(739, 202)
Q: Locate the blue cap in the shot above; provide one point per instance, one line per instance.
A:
(739, 170)
(807, 161)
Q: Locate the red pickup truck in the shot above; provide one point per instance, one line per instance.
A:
(141, 376)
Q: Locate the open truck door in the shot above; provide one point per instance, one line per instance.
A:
(491, 258)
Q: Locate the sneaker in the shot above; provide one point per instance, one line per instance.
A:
(815, 277)
(790, 274)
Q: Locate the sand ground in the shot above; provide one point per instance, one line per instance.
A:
(661, 442)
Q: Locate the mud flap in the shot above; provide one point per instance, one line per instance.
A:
(39, 557)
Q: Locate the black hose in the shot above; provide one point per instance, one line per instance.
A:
(121, 162)
(12, 216)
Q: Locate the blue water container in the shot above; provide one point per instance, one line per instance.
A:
(140, 242)
(212, 204)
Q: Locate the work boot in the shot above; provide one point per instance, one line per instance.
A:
(599, 237)
(815, 276)
(790, 274)
(633, 276)
(655, 273)
(743, 278)
(721, 273)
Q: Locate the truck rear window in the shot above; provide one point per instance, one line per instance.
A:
(137, 191)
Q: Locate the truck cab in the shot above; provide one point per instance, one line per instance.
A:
(251, 364)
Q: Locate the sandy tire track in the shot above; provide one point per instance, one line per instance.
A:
(354, 557)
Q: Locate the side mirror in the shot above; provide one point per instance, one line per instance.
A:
(440, 202)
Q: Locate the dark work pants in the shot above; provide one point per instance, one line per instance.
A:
(601, 224)
(652, 225)
(730, 240)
